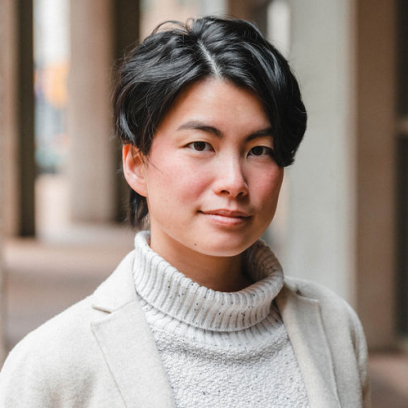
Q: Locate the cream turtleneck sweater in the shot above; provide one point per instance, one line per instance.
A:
(220, 349)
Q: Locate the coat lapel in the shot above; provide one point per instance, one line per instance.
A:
(303, 322)
(127, 343)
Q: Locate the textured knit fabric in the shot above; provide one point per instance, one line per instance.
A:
(220, 349)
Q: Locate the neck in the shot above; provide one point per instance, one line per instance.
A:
(223, 274)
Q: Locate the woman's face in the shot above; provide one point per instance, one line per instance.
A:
(210, 181)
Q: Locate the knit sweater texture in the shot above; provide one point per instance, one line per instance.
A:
(220, 349)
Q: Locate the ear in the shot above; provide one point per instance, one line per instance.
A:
(134, 169)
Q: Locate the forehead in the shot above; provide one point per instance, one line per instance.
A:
(219, 103)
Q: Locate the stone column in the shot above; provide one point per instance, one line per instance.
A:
(25, 117)
(322, 194)
(402, 149)
(7, 41)
(376, 164)
(126, 31)
(341, 228)
(255, 11)
(91, 167)
(8, 113)
(213, 7)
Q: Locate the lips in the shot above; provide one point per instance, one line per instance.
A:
(227, 213)
(226, 218)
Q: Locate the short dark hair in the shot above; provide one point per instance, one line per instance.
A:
(175, 55)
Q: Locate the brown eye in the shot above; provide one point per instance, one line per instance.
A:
(258, 150)
(261, 151)
(200, 146)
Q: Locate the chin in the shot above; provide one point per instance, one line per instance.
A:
(226, 248)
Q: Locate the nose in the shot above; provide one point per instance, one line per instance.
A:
(230, 178)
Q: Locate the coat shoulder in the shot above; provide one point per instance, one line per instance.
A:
(68, 335)
(47, 343)
(330, 302)
(53, 361)
(63, 330)
(338, 317)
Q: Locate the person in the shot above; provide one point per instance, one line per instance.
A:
(199, 314)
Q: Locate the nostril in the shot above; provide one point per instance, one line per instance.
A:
(235, 191)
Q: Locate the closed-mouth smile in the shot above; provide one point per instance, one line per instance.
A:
(227, 217)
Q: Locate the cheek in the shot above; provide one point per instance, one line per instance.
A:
(176, 182)
(268, 187)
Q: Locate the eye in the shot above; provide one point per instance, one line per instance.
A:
(261, 151)
(200, 146)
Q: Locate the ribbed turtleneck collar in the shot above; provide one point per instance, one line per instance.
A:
(172, 293)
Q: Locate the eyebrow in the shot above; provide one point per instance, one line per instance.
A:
(197, 125)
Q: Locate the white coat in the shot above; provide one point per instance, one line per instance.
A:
(100, 353)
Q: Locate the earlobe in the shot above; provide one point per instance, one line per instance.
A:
(134, 169)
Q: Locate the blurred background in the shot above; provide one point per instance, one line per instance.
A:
(343, 215)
